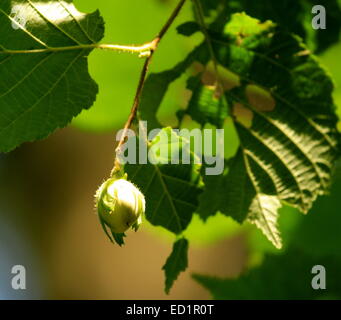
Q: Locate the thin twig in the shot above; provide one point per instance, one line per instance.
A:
(143, 77)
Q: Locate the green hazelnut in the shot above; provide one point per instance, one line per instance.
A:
(120, 205)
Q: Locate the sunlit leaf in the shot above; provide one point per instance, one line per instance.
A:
(285, 118)
(40, 92)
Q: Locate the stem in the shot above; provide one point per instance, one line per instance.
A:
(143, 77)
(145, 48)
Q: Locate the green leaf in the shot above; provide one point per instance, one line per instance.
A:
(176, 263)
(171, 190)
(286, 276)
(43, 91)
(284, 115)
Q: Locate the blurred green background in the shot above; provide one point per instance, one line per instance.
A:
(47, 218)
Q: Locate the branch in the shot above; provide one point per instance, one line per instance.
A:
(143, 77)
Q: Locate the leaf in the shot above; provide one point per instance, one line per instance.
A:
(43, 91)
(280, 277)
(176, 263)
(171, 190)
(285, 118)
